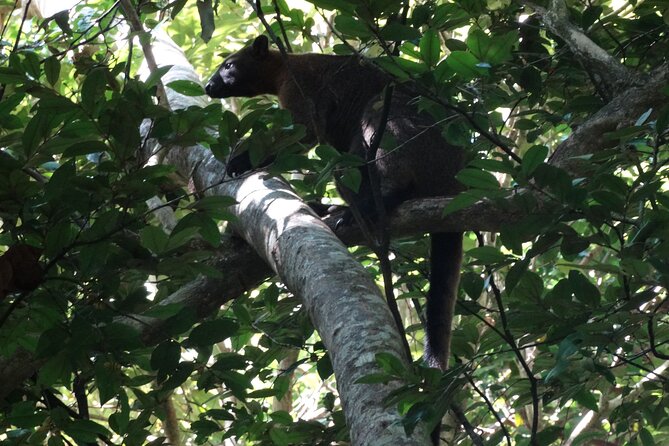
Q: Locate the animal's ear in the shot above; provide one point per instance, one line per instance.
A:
(261, 47)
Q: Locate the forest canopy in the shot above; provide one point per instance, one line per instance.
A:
(147, 298)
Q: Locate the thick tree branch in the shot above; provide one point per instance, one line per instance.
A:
(612, 74)
(623, 111)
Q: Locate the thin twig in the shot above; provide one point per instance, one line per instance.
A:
(137, 27)
(519, 356)
(9, 17)
(23, 20)
(491, 408)
(281, 26)
(257, 8)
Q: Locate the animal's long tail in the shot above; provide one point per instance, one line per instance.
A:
(445, 261)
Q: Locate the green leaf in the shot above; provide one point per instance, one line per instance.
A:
(186, 87)
(351, 178)
(207, 22)
(449, 16)
(52, 69)
(156, 75)
(515, 274)
(331, 5)
(390, 65)
(25, 415)
(530, 287)
(154, 239)
(36, 130)
(397, 31)
(534, 156)
(166, 356)
(11, 76)
(324, 367)
(215, 205)
(352, 27)
(85, 148)
(55, 371)
(472, 284)
(493, 49)
(646, 437)
(236, 382)
(583, 289)
(460, 201)
(586, 399)
(568, 347)
(430, 47)
(375, 378)
(550, 435)
(93, 90)
(487, 254)
(211, 332)
(59, 238)
(644, 117)
(120, 419)
(85, 431)
(177, 6)
(476, 178)
(465, 64)
(31, 64)
(178, 376)
(626, 132)
(107, 379)
(391, 364)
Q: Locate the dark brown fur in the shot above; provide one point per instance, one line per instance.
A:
(338, 99)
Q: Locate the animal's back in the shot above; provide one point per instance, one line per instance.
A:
(329, 94)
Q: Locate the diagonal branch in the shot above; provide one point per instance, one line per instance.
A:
(610, 72)
(623, 111)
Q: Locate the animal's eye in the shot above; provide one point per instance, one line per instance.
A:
(227, 65)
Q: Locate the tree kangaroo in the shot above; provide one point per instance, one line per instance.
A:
(338, 99)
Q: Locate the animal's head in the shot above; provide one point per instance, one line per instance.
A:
(248, 72)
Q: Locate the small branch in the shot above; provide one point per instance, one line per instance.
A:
(491, 408)
(137, 27)
(381, 246)
(23, 20)
(508, 337)
(261, 16)
(474, 436)
(79, 389)
(281, 25)
(9, 17)
(18, 37)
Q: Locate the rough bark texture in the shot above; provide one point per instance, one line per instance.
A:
(622, 111)
(613, 77)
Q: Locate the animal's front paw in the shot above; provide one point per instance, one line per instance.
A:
(345, 219)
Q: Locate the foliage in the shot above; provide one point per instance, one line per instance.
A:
(561, 313)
